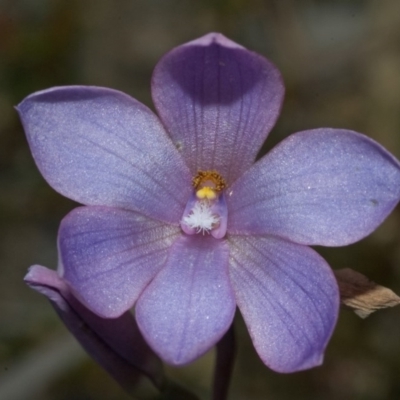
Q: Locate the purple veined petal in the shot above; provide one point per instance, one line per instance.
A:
(218, 101)
(101, 147)
(324, 186)
(108, 256)
(115, 344)
(288, 297)
(190, 304)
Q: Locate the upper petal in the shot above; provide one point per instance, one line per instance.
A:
(116, 344)
(101, 147)
(108, 256)
(288, 297)
(218, 102)
(324, 186)
(190, 304)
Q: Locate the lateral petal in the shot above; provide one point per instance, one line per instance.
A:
(288, 297)
(101, 147)
(218, 102)
(328, 187)
(108, 256)
(190, 304)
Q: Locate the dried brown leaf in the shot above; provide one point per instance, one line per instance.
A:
(362, 295)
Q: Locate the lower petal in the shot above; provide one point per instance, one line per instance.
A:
(108, 256)
(288, 297)
(190, 304)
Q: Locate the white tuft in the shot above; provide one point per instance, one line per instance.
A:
(201, 218)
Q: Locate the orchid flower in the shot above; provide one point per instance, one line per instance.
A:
(180, 222)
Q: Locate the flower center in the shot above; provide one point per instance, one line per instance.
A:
(206, 210)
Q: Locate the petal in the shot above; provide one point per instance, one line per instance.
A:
(288, 297)
(116, 344)
(108, 256)
(218, 101)
(324, 186)
(190, 304)
(101, 147)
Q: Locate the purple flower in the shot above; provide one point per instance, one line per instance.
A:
(179, 221)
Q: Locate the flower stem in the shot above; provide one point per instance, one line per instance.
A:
(225, 358)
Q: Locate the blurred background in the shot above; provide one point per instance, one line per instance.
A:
(340, 60)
